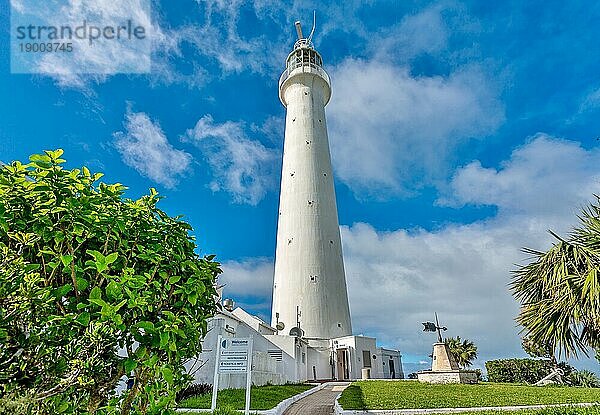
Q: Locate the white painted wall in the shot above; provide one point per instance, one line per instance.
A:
(266, 369)
(309, 267)
(379, 357)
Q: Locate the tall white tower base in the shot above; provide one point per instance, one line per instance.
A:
(309, 289)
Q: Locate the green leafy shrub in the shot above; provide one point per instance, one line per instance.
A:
(584, 378)
(94, 287)
(521, 370)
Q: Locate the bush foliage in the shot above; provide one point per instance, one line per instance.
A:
(521, 370)
(94, 286)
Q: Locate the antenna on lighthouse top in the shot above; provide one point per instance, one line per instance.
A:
(298, 29)
(312, 32)
(303, 41)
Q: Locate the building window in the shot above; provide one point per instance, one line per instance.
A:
(366, 354)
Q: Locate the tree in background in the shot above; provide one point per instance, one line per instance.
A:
(463, 351)
(94, 286)
(559, 290)
(537, 350)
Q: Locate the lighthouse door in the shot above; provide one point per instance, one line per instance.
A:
(343, 372)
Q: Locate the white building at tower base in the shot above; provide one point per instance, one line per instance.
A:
(278, 359)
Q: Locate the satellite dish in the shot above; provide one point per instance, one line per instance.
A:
(280, 326)
(296, 331)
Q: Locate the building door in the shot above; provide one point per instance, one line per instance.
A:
(392, 370)
(343, 372)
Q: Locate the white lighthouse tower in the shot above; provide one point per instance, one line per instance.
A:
(310, 336)
(309, 289)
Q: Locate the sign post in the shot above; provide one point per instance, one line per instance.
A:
(234, 355)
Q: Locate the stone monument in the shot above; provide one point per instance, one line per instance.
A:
(444, 368)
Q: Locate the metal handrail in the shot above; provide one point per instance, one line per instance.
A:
(312, 68)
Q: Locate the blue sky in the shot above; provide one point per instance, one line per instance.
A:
(460, 132)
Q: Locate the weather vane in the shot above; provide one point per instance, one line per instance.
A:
(434, 327)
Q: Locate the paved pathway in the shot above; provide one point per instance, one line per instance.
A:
(318, 403)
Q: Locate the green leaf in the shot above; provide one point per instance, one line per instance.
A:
(118, 306)
(146, 325)
(129, 365)
(174, 279)
(113, 291)
(66, 259)
(39, 158)
(32, 267)
(164, 339)
(101, 266)
(111, 258)
(193, 298)
(95, 293)
(99, 302)
(82, 283)
(83, 318)
(167, 375)
(98, 257)
(62, 291)
(55, 154)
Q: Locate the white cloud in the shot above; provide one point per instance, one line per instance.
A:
(462, 271)
(145, 147)
(106, 57)
(590, 102)
(547, 175)
(392, 132)
(423, 32)
(243, 167)
(249, 278)
(398, 279)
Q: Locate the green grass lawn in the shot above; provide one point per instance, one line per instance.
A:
(261, 397)
(413, 394)
(546, 411)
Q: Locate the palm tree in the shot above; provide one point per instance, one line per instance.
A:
(463, 351)
(559, 290)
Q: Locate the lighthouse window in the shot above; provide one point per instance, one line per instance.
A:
(292, 174)
(313, 278)
(305, 93)
(308, 142)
